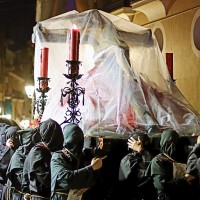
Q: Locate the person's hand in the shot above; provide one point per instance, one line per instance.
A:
(27, 196)
(135, 145)
(96, 163)
(9, 143)
(100, 146)
(189, 177)
(81, 191)
(198, 140)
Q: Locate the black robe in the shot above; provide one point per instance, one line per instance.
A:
(67, 171)
(3, 128)
(36, 172)
(168, 188)
(193, 168)
(133, 181)
(5, 155)
(132, 176)
(36, 178)
(15, 169)
(193, 161)
(66, 176)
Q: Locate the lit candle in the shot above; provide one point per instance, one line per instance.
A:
(74, 44)
(44, 63)
(169, 62)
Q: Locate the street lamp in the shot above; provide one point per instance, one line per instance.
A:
(30, 93)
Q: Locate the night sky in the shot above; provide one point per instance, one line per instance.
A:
(17, 19)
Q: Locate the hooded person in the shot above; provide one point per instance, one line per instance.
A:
(27, 138)
(162, 170)
(193, 168)
(36, 180)
(8, 147)
(139, 144)
(3, 128)
(133, 167)
(69, 176)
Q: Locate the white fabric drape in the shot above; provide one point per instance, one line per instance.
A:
(126, 81)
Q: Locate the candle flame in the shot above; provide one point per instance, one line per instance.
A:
(74, 26)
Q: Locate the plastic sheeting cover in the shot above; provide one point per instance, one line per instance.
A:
(126, 81)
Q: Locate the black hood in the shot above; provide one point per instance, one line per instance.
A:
(169, 141)
(7, 132)
(28, 138)
(73, 139)
(11, 131)
(51, 134)
(3, 128)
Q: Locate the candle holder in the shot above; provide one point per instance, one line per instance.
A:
(40, 103)
(73, 114)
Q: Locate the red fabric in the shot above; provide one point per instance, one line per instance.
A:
(169, 62)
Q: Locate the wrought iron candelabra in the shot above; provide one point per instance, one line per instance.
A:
(40, 103)
(74, 91)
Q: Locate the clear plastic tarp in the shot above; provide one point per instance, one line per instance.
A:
(126, 80)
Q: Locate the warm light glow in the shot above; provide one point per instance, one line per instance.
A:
(74, 26)
(25, 123)
(0, 110)
(6, 116)
(87, 57)
(29, 91)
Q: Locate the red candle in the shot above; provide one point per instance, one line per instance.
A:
(74, 44)
(169, 62)
(44, 62)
